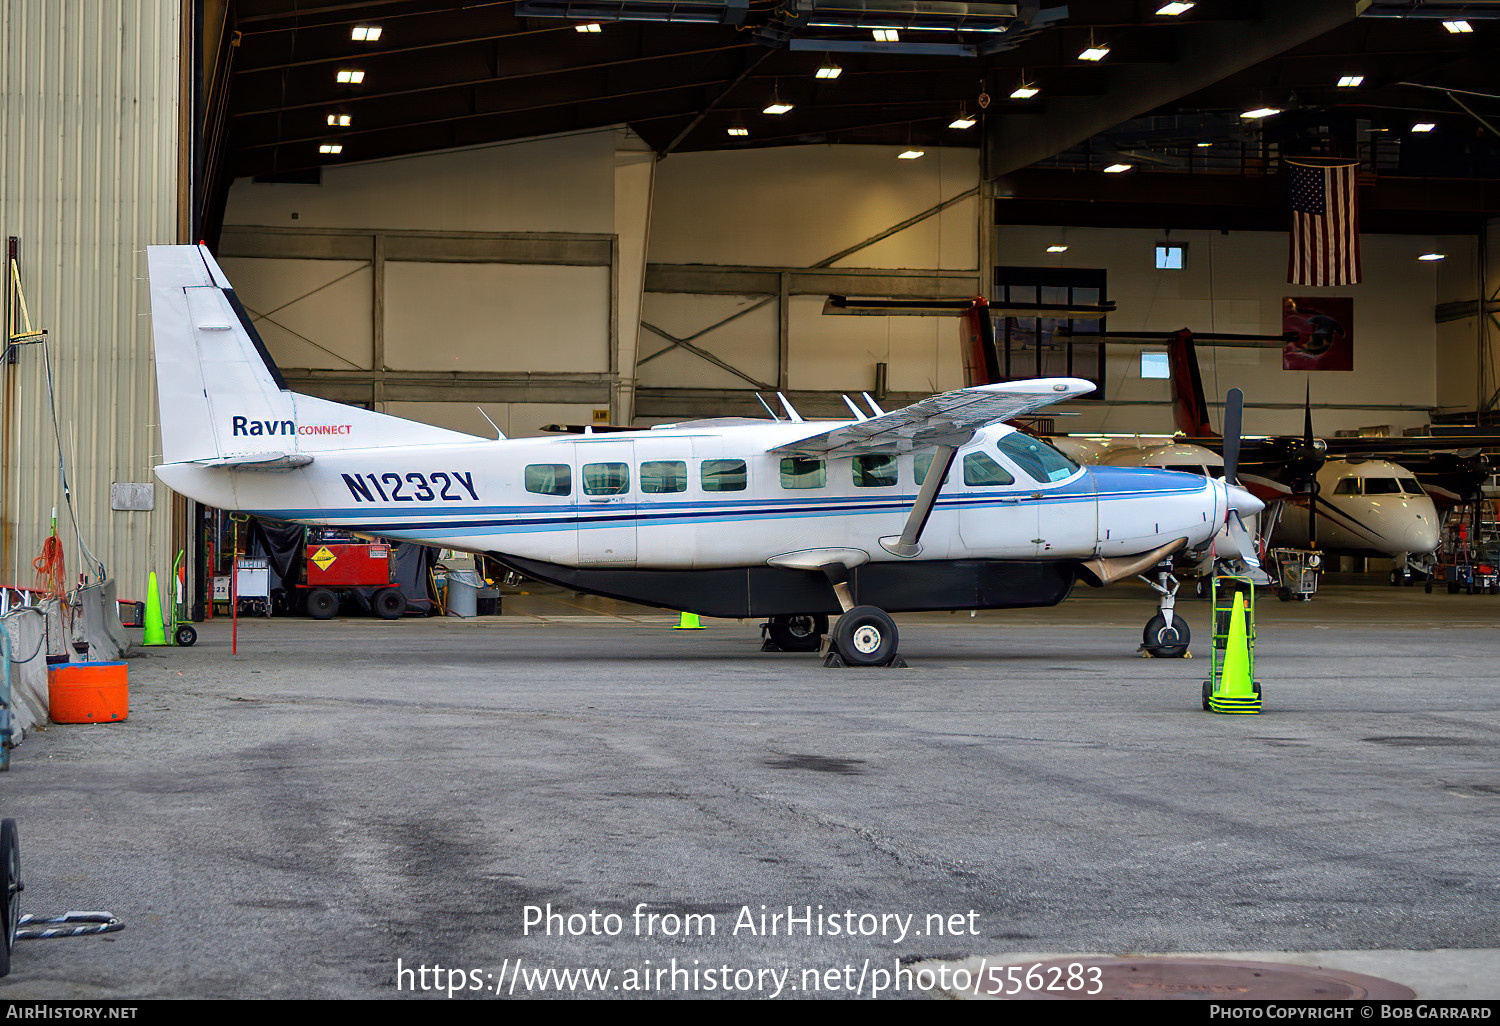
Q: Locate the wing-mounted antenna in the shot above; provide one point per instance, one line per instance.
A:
(854, 409)
(499, 435)
(873, 405)
(792, 414)
(766, 406)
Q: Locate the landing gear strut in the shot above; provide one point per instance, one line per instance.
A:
(1166, 635)
(864, 635)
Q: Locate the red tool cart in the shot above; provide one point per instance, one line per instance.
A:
(336, 569)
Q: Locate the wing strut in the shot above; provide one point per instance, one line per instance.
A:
(916, 520)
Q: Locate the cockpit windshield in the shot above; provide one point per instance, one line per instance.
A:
(1036, 457)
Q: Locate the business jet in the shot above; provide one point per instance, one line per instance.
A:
(939, 505)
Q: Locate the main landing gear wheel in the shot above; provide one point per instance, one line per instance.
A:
(10, 890)
(322, 604)
(802, 633)
(390, 604)
(1166, 642)
(865, 636)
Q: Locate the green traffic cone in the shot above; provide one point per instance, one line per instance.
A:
(156, 632)
(1237, 692)
(688, 622)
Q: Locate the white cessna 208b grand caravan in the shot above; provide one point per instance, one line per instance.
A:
(940, 505)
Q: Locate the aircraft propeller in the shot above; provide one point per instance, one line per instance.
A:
(1238, 497)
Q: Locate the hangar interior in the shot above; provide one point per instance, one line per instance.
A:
(531, 216)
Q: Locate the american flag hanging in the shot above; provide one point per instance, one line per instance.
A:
(1325, 225)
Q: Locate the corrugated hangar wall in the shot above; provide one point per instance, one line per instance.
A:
(88, 178)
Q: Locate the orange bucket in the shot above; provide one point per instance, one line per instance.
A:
(88, 692)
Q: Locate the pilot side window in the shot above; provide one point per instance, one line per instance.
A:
(1348, 486)
(1037, 458)
(877, 471)
(606, 478)
(724, 475)
(1410, 487)
(982, 472)
(1382, 486)
(798, 473)
(549, 479)
(660, 477)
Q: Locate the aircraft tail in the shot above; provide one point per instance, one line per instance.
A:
(1189, 405)
(976, 330)
(223, 401)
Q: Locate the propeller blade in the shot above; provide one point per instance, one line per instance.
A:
(1244, 543)
(1312, 515)
(1234, 409)
(1307, 435)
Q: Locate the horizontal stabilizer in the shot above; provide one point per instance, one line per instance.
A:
(269, 462)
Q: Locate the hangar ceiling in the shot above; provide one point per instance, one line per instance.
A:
(442, 74)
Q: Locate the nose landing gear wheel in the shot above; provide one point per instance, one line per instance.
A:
(1165, 641)
(865, 636)
(803, 633)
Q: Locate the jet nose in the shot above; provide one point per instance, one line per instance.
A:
(1421, 535)
(1242, 502)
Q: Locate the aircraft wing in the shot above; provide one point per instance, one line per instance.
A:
(950, 419)
(271, 462)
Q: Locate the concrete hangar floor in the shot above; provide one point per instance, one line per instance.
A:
(293, 820)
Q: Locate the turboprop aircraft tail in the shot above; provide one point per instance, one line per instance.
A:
(222, 400)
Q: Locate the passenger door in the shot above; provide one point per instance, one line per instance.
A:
(606, 503)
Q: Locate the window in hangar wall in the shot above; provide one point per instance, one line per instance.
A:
(1030, 347)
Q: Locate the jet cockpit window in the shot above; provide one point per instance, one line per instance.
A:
(606, 478)
(1382, 486)
(1410, 486)
(877, 471)
(724, 475)
(798, 472)
(982, 472)
(549, 479)
(1347, 486)
(660, 477)
(1037, 458)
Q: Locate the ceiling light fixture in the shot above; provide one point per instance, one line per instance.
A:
(1458, 28)
(885, 35)
(1260, 112)
(963, 121)
(330, 148)
(738, 130)
(1351, 81)
(365, 33)
(1432, 257)
(1423, 126)
(1173, 9)
(592, 26)
(830, 71)
(1024, 91)
(777, 107)
(1063, 249)
(348, 76)
(339, 120)
(1095, 52)
(910, 154)
(1204, 145)
(1115, 169)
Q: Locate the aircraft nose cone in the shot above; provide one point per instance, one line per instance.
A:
(1421, 535)
(1241, 501)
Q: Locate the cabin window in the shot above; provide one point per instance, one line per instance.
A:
(920, 464)
(877, 471)
(982, 472)
(1037, 458)
(798, 472)
(660, 477)
(549, 479)
(606, 478)
(1382, 486)
(1348, 486)
(724, 475)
